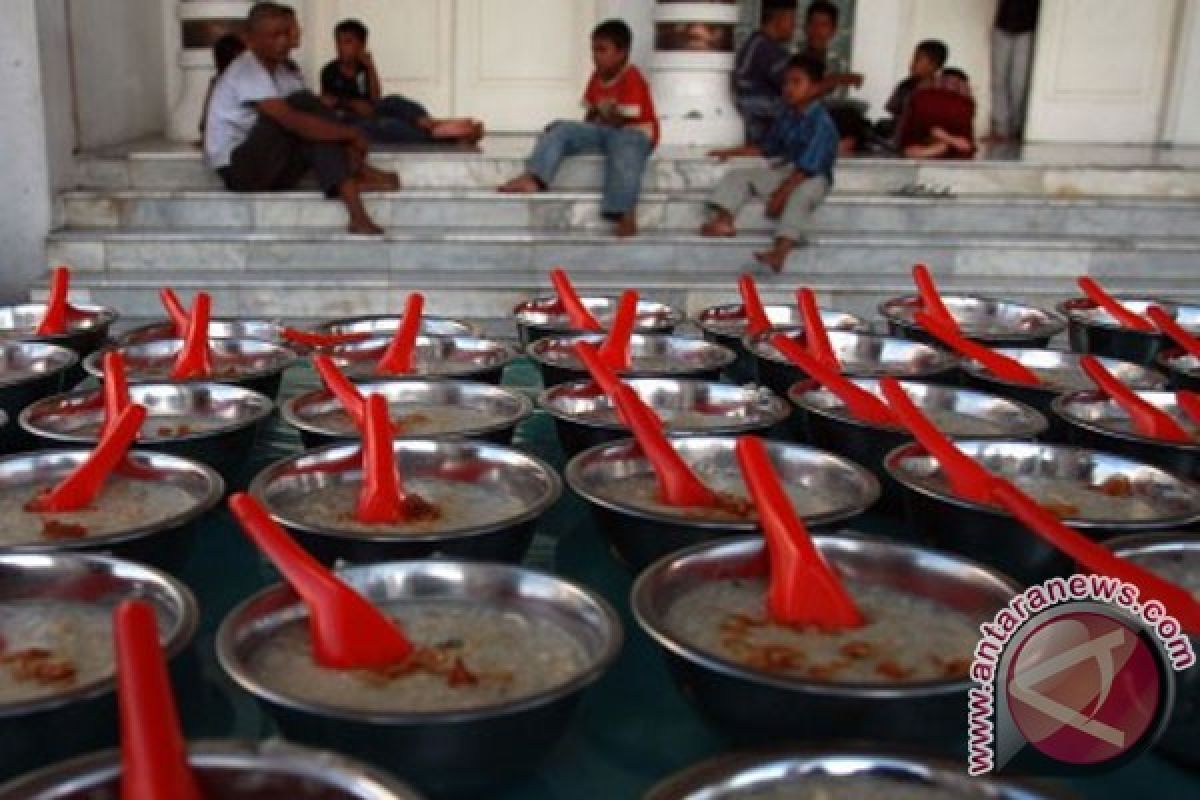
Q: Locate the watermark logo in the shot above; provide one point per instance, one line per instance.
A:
(1073, 676)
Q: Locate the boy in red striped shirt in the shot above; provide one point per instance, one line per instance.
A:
(620, 123)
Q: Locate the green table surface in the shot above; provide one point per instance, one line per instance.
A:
(631, 730)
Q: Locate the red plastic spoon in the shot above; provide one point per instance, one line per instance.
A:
(804, 590)
(175, 310)
(318, 341)
(615, 350)
(1176, 332)
(1002, 366)
(381, 501)
(757, 320)
(340, 386)
(1095, 292)
(1099, 560)
(398, 358)
(677, 484)
(1147, 420)
(930, 297)
(58, 308)
(859, 402)
(195, 358)
(154, 758)
(84, 484)
(115, 390)
(815, 335)
(1189, 402)
(347, 631)
(580, 318)
(967, 477)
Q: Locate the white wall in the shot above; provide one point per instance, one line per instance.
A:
(1183, 100)
(56, 91)
(639, 14)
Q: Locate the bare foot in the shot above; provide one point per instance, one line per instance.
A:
(522, 184)
(626, 226)
(365, 227)
(378, 180)
(452, 128)
(718, 228)
(773, 259)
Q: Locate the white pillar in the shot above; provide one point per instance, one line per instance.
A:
(198, 25)
(691, 73)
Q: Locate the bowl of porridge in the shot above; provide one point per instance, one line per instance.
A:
(87, 328)
(995, 323)
(261, 329)
(374, 326)
(1181, 367)
(544, 316)
(504, 654)
(470, 358)
(651, 356)
(1093, 330)
(30, 371)
(900, 678)
(57, 668)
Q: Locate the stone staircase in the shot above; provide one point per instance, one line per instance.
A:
(150, 215)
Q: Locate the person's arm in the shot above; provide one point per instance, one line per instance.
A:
(374, 86)
(310, 127)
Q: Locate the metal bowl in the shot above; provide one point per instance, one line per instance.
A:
(465, 752)
(1042, 397)
(758, 706)
(996, 323)
(384, 325)
(495, 411)
(1158, 551)
(30, 371)
(260, 365)
(639, 535)
(829, 426)
(274, 769)
(84, 335)
(1092, 330)
(265, 330)
(542, 317)
(585, 417)
(1183, 368)
(84, 718)
(1098, 422)
(993, 536)
(499, 470)
(434, 357)
(165, 544)
(726, 325)
(74, 419)
(861, 355)
(652, 356)
(732, 776)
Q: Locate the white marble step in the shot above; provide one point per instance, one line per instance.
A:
(845, 212)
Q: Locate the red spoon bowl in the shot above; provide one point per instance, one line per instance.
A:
(488, 498)
(161, 537)
(861, 356)
(32, 729)
(434, 358)
(1099, 494)
(85, 334)
(1090, 329)
(755, 705)
(542, 317)
(618, 483)
(652, 356)
(1176, 557)
(1097, 422)
(460, 753)
(987, 320)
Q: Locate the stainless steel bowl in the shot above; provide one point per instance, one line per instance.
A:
(84, 336)
(585, 417)
(384, 325)
(1171, 551)
(996, 323)
(861, 356)
(754, 705)
(165, 544)
(640, 535)
(1098, 422)
(265, 330)
(1042, 397)
(652, 356)
(74, 419)
(30, 371)
(993, 536)
(230, 770)
(84, 718)
(726, 325)
(542, 317)
(465, 752)
(495, 411)
(434, 357)
(260, 365)
(828, 425)
(496, 469)
(1183, 368)
(732, 776)
(1092, 330)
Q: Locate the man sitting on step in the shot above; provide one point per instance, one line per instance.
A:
(265, 130)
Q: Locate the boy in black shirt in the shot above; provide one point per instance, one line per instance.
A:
(758, 69)
(350, 85)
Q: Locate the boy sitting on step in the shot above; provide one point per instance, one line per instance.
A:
(803, 143)
(621, 124)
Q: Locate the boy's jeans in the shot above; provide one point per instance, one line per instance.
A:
(739, 185)
(625, 153)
